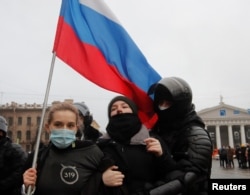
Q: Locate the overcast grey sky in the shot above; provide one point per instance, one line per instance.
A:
(205, 42)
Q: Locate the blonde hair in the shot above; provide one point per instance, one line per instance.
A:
(59, 107)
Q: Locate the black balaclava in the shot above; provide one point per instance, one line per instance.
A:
(177, 110)
(177, 91)
(122, 127)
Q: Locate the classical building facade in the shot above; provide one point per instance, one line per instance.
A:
(24, 122)
(227, 125)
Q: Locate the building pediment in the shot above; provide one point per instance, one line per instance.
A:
(224, 112)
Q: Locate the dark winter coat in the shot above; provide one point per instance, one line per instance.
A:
(75, 170)
(12, 160)
(90, 133)
(142, 169)
(190, 145)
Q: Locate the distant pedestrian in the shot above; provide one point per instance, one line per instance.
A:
(243, 156)
(247, 154)
(230, 157)
(220, 159)
(223, 156)
(238, 155)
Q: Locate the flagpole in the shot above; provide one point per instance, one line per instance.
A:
(43, 114)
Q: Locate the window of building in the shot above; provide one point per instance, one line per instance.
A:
(223, 112)
(28, 135)
(236, 112)
(19, 120)
(10, 121)
(19, 135)
(38, 120)
(28, 120)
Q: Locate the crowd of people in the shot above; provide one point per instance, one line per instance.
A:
(243, 156)
(174, 157)
(241, 153)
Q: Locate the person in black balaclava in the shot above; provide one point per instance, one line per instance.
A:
(185, 136)
(137, 155)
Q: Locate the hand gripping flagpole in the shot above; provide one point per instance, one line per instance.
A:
(42, 117)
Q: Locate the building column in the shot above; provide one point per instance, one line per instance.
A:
(242, 134)
(230, 136)
(218, 140)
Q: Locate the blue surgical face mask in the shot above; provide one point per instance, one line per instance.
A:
(62, 138)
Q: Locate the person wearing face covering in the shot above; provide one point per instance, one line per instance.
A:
(67, 166)
(139, 157)
(184, 133)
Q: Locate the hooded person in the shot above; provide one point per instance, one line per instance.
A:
(12, 160)
(86, 130)
(138, 156)
(123, 126)
(184, 133)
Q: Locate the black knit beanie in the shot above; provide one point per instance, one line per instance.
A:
(131, 104)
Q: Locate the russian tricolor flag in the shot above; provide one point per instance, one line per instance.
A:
(91, 40)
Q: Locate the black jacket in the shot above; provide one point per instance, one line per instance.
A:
(190, 145)
(12, 160)
(142, 169)
(90, 133)
(84, 158)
